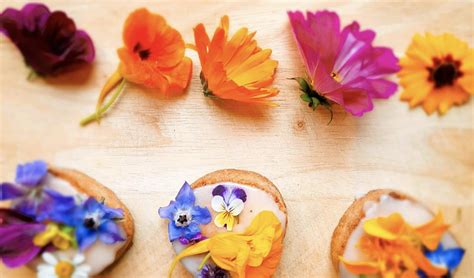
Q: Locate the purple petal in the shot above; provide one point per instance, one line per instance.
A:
(10, 191)
(201, 215)
(185, 197)
(240, 194)
(219, 190)
(26, 206)
(109, 232)
(381, 88)
(168, 211)
(34, 16)
(30, 174)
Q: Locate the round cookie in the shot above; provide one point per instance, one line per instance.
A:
(376, 203)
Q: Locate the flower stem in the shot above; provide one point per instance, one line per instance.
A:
(206, 258)
(96, 116)
(31, 75)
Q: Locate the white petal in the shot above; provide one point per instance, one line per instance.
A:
(47, 271)
(218, 204)
(236, 207)
(49, 258)
(78, 259)
(84, 269)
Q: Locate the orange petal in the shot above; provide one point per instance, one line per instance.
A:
(179, 76)
(423, 263)
(431, 232)
(361, 267)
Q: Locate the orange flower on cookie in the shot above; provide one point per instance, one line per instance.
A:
(234, 67)
(395, 248)
(152, 56)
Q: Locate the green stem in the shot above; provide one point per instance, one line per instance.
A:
(31, 75)
(96, 116)
(204, 261)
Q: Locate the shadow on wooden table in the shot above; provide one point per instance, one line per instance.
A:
(77, 76)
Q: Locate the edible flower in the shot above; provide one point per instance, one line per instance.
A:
(229, 204)
(152, 56)
(49, 41)
(16, 238)
(62, 237)
(94, 221)
(185, 217)
(448, 258)
(437, 72)
(395, 248)
(342, 65)
(213, 271)
(254, 253)
(63, 267)
(234, 67)
(29, 196)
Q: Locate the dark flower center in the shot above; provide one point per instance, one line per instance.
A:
(142, 53)
(444, 71)
(182, 218)
(89, 223)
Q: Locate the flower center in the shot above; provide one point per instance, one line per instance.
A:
(444, 71)
(183, 218)
(64, 269)
(91, 221)
(142, 53)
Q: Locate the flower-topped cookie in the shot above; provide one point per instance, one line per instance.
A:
(388, 234)
(229, 223)
(61, 222)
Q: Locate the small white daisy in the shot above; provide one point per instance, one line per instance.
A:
(63, 267)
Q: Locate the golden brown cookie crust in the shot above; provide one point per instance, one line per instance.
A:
(243, 177)
(351, 219)
(93, 188)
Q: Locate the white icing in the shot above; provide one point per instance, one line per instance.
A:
(414, 213)
(99, 255)
(257, 201)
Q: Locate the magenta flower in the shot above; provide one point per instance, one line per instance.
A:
(342, 65)
(48, 41)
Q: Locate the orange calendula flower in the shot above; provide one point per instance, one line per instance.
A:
(396, 248)
(152, 56)
(437, 72)
(255, 253)
(235, 67)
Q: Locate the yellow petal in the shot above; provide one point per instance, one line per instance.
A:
(385, 227)
(44, 238)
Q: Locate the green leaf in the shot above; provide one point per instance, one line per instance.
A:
(305, 97)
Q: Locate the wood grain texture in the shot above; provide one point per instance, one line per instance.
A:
(149, 144)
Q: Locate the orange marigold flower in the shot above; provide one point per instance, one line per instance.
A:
(437, 72)
(395, 248)
(152, 56)
(235, 68)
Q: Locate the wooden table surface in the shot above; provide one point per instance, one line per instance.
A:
(149, 144)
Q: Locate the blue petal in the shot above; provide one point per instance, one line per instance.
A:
(201, 215)
(453, 257)
(168, 211)
(26, 206)
(57, 207)
(185, 197)
(10, 191)
(174, 232)
(191, 231)
(109, 232)
(112, 213)
(85, 237)
(91, 205)
(31, 174)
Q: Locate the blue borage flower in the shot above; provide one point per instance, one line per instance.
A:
(228, 204)
(184, 216)
(448, 258)
(29, 196)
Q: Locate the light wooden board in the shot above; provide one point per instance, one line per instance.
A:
(149, 144)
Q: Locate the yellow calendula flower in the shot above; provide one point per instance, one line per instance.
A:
(395, 248)
(254, 253)
(437, 72)
(61, 237)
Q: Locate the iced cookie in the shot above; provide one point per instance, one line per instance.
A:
(388, 234)
(61, 222)
(227, 223)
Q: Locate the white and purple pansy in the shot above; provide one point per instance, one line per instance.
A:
(228, 203)
(185, 217)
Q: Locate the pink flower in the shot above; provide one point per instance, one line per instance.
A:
(342, 65)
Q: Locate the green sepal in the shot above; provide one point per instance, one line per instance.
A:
(205, 88)
(311, 96)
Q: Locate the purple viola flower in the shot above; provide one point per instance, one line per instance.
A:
(29, 196)
(184, 216)
(16, 238)
(48, 41)
(94, 221)
(213, 271)
(342, 65)
(228, 203)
